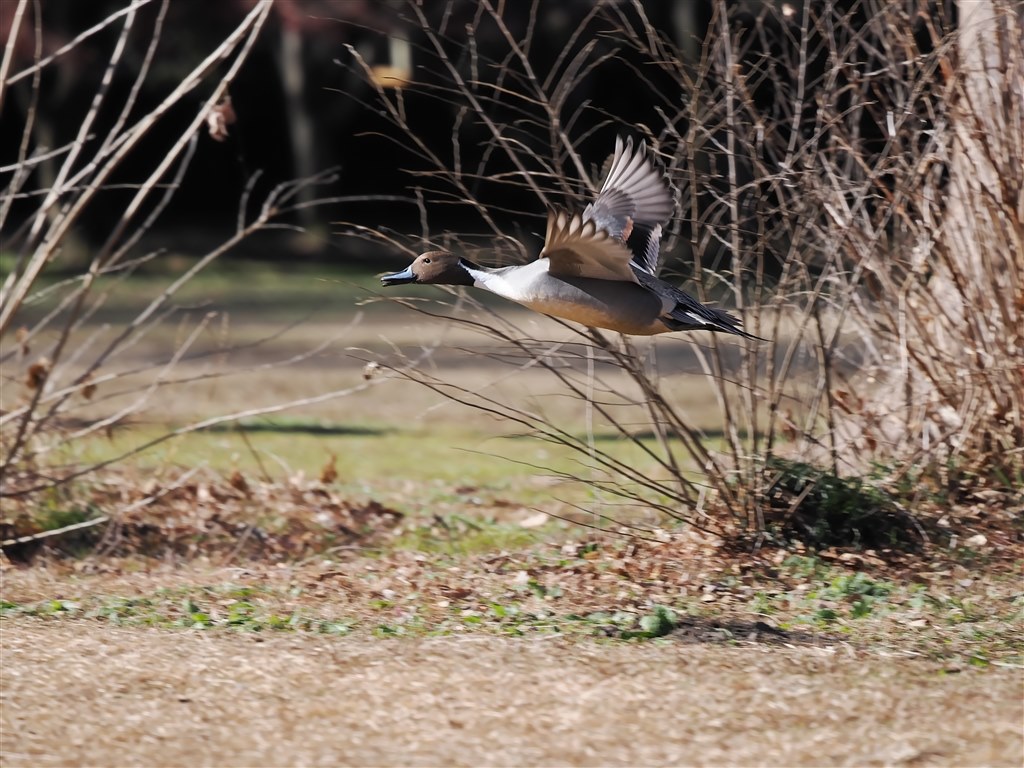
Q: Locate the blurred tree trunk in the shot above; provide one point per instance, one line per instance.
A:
(300, 123)
(972, 306)
(687, 36)
(988, 134)
(978, 221)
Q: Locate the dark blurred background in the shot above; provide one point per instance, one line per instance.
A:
(304, 105)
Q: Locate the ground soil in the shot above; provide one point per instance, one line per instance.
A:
(77, 692)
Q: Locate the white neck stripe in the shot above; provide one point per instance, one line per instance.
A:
(495, 282)
(480, 277)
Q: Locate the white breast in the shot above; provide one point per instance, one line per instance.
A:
(515, 283)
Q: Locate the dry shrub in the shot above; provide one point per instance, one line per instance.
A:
(67, 378)
(853, 174)
(946, 326)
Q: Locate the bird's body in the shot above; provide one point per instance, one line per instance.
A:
(586, 272)
(615, 305)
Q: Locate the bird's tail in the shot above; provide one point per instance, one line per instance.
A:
(694, 316)
(688, 314)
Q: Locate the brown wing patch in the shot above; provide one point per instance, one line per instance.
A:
(576, 247)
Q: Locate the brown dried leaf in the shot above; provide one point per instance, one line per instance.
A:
(847, 402)
(89, 388)
(329, 473)
(37, 373)
(238, 482)
(455, 593)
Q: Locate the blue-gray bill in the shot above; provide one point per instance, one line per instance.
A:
(399, 278)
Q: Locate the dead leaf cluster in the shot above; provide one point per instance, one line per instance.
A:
(204, 515)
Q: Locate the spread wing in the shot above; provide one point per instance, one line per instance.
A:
(635, 190)
(648, 260)
(577, 247)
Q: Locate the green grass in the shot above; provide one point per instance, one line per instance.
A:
(238, 282)
(247, 289)
(531, 608)
(225, 606)
(460, 535)
(432, 464)
(977, 628)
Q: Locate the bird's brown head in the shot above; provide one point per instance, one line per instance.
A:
(436, 267)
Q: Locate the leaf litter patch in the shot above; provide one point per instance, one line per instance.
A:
(202, 516)
(688, 589)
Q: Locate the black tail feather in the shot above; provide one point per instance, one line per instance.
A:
(688, 313)
(710, 319)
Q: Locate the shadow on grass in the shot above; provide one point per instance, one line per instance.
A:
(303, 428)
(704, 631)
(612, 436)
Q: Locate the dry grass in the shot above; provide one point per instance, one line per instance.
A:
(771, 660)
(159, 698)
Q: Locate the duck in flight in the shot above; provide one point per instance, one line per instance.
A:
(586, 272)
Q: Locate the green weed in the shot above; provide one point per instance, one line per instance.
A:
(813, 505)
(460, 535)
(172, 609)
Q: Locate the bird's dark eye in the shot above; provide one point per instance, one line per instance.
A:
(426, 261)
